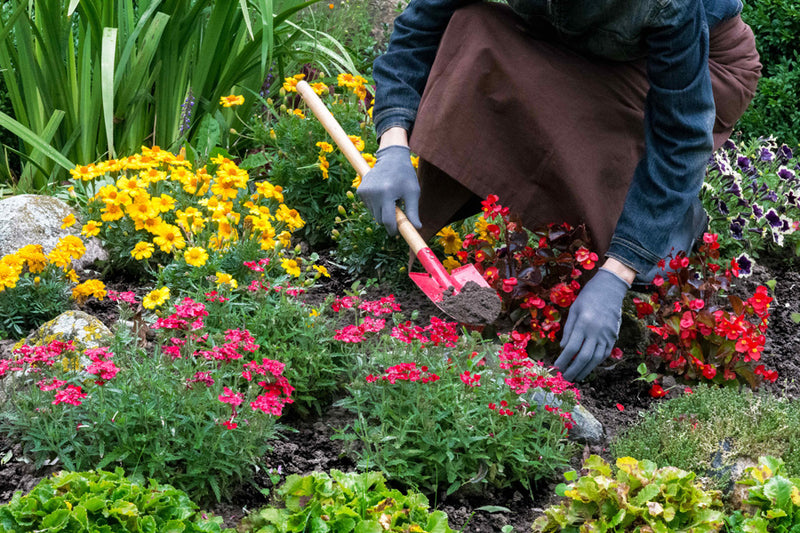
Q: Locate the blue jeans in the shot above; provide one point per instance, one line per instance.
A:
(679, 110)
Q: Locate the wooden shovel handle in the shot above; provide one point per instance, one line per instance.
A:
(337, 133)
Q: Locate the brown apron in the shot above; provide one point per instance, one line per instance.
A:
(554, 134)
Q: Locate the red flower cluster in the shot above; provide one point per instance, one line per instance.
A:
(356, 333)
(700, 335)
(101, 364)
(276, 390)
(537, 274)
(438, 332)
(405, 372)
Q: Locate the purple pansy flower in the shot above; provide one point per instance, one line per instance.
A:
(722, 207)
(773, 218)
(736, 231)
(786, 173)
(758, 212)
(785, 153)
(766, 154)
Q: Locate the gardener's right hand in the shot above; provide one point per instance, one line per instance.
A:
(392, 178)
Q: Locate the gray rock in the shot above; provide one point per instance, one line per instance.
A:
(36, 219)
(84, 330)
(587, 429)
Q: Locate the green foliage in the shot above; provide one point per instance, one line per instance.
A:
(117, 73)
(364, 248)
(315, 177)
(776, 500)
(32, 302)
(452, 416)
(752, 195)
(774, 111)
(103, 502)
(345, 503)
(289, 330)
(706, 431)
(639, 496)
(183, 426)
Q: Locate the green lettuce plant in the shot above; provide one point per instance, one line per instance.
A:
(104, 502)
(638, 496)
(776, 500)
(345, 503)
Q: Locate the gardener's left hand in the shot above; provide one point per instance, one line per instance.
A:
(593, 325)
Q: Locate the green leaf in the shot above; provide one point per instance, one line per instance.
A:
(771, 283)
(55, 520)
(35, 140)
(368, 526)
(109, 47)
(795, 318)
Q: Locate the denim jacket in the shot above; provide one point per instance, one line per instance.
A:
(672, 35)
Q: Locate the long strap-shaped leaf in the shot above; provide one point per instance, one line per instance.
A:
(34, 140)
(107, 77)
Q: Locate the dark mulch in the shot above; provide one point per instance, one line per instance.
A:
(611, 395)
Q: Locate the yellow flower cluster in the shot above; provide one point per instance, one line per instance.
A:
(92, 287)
(32, 256)
(357, 84)
(167, 205)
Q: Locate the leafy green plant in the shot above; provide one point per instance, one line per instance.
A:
(363, 247)
(186, 426)
(450, 415)
(701, 331)
(298, 154)
(345, 503)
(752, 194)
(775, 23)
(776, 500)
(639, 496)
(708, 430)
(104, 502)
(117, 73)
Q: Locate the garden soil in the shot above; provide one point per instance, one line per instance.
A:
(611, 394)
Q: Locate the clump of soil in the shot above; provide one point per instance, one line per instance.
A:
(473, 304)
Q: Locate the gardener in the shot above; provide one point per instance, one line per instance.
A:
(586, 111)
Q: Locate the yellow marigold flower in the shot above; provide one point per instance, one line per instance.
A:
(163, 203)
(9, 275)
(169, 237)
(231, 100)
(322, 270)
(141, 209)
(325, 147)
(226, 279)
(285, 239)
(291, 267)
(91, 228)
(450, 240)
(84, 172)
(319, 88)
(481, 229)
(795, 495)
(415, 161)
(356, 181)
(155, 298)
(151, 175)
(92, 287)
(72, 245)
(33, 255)
(324, 165)
(349, 80)
(369, 111)
(360, 92)
(296, 112)
(450, 263)
(142, 250)
(68, 221)
(272, 134)
(190, 219)
(72, 275)
(357, 141)
(195, 256)
(290, 84)
(290, 217)
(60, 258)
(268, 190)
(179, 173)
(370, 159)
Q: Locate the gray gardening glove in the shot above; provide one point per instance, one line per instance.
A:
(592, 326)
(392, 178)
